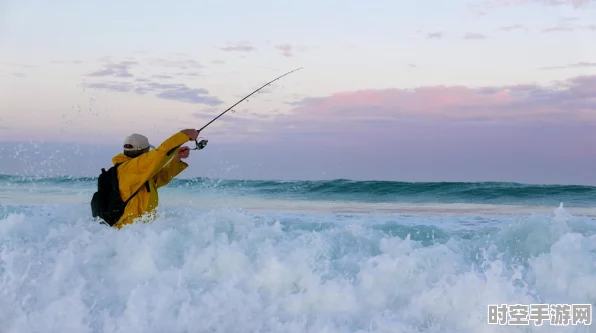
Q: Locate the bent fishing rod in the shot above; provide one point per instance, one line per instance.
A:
(201, 144)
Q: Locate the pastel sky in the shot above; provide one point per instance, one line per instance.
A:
(460, 90)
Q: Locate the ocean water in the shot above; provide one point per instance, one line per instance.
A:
(266, 256)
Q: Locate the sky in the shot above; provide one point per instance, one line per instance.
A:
(471, 90)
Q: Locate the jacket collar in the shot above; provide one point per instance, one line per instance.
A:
(120, 158)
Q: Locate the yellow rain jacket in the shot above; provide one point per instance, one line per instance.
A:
(148, 172)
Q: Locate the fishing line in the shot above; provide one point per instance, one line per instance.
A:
(203, 143)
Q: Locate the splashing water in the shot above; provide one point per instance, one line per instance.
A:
(225, 268)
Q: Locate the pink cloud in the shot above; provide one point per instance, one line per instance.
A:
(387, 114)
(394, 113)
(392, 103)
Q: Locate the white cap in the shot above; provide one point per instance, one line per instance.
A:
(137, 141)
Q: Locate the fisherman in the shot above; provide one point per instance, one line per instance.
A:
(128, 190)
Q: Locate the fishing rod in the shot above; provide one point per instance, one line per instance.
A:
(203, 143)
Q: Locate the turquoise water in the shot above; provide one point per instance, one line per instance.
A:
(266, 256)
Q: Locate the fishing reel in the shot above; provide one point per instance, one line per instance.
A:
(200, 144)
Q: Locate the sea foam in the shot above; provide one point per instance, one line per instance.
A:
(236, 270)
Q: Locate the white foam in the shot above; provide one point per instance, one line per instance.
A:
(231, 271)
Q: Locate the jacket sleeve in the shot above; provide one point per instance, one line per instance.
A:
(171, 170)
(142, 168)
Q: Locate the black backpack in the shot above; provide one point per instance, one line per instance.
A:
(107, 203)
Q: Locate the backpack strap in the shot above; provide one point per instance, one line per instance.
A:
(137, 191)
